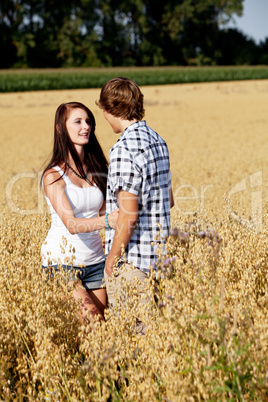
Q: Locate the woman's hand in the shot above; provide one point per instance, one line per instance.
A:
(112, 218)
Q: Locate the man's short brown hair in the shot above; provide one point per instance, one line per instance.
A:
(122, 97)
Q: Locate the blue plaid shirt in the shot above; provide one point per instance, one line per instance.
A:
(139, 164)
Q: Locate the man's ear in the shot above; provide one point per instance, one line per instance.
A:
(57, 128)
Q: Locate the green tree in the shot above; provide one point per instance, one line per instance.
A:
(49, 33)
(11, 22)
(235, 48)
(64, 35)
(153, 32)
(53, 33)
(185, 29)
(263, 52)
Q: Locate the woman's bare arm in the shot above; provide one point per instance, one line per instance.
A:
(55, 191)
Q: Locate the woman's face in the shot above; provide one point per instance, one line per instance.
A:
(78, 127)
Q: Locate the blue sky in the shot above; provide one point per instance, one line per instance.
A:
(254, 22)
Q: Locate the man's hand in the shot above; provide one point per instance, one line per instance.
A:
(109, 264)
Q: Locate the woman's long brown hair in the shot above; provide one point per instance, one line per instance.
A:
(94, 156)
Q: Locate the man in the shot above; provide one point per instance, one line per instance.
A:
(139, 183)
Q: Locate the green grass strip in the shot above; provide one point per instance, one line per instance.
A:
(39, 80)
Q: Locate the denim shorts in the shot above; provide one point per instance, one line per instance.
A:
(91, 276)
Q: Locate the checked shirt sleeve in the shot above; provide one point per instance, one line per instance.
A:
(124, 172)
(169, 180)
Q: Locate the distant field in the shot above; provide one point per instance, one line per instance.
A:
(51, 79)
(207, 336)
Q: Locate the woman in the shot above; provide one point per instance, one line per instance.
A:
(74, 183)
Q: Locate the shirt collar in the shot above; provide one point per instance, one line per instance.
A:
(131, 127)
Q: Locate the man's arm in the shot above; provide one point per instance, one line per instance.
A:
(128, 215)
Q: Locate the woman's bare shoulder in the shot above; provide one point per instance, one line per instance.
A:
(52, 176)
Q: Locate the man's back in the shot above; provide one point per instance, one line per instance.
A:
(139, 164)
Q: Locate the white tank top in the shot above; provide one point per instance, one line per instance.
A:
(62, 247)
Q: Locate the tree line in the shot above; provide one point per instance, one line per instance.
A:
(99, 33)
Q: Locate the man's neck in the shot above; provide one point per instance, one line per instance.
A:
(126, 123)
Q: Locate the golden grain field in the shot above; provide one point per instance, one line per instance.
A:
(207, 336)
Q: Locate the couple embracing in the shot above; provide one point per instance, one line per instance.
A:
(131, 198)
